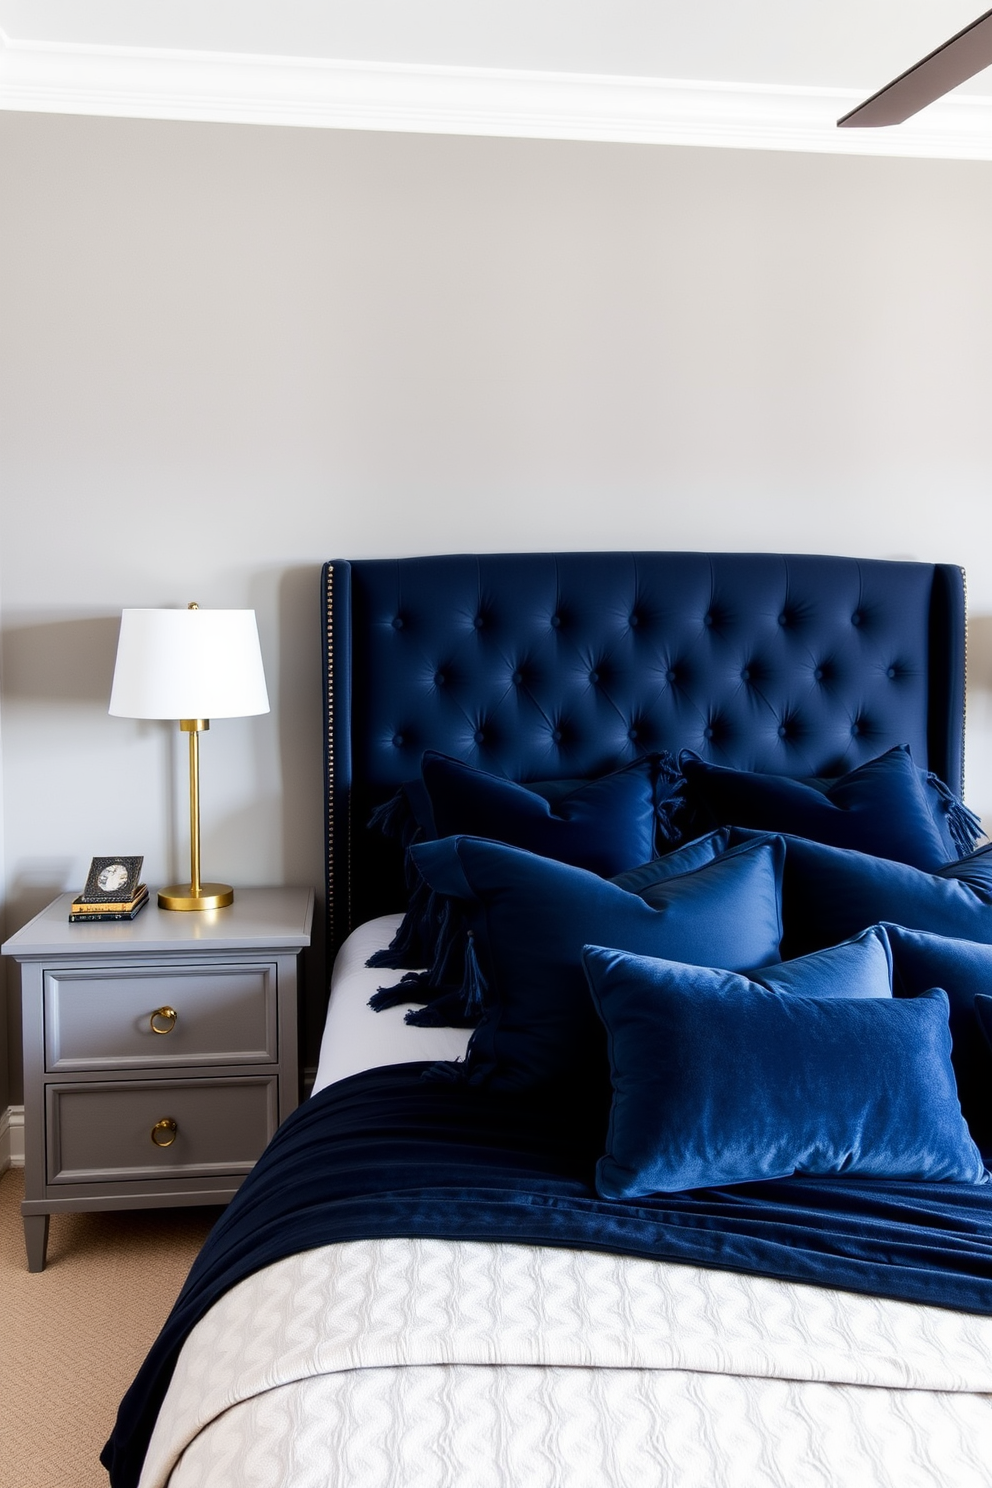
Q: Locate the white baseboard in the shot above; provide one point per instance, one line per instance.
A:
(11, 1138)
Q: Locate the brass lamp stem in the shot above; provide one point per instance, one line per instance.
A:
(195, 895)
(193, 727)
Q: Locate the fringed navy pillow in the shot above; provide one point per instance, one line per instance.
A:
(604, 825)
(530, 918)
(717, 1080)
(886, 807)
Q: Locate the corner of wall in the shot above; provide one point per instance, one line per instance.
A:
(11, 1138)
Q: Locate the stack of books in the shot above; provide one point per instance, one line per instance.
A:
(85, 908)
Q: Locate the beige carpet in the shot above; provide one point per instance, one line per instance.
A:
(72, 1337)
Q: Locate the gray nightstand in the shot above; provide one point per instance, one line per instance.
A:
(160, 1054)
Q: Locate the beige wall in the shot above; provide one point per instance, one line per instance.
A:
(227, 353)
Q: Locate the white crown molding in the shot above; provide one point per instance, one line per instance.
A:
(144, 83)
(11, 1138)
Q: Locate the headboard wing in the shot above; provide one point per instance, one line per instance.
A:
(559, 665)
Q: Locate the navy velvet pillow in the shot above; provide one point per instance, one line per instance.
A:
(964, 970)
(831, 893)
(684, 859)
(605, 825)
(530, 917)
(859, 967)
(717, 1081)
(983, 1010)
(882, 807)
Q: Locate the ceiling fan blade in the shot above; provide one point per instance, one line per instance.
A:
(968, 52)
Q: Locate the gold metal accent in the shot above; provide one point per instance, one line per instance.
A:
(169, 1127)
(195, 895)
(167, 1015)
(209, 896)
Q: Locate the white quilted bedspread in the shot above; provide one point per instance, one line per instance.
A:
(409, 1363)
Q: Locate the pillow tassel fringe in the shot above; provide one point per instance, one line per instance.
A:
(416, 931)
(964, 826)
(405, 990)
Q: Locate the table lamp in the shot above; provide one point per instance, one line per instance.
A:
(192, 665)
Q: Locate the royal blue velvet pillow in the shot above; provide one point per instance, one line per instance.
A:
(684, 859)
(859, 967)
(717, 1080)
(882, 807)
(530, 917)
(964, 970)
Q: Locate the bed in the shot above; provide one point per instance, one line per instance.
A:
(430, 1277)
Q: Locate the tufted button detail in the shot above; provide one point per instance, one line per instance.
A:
(397, 622)
(783, 619)
(708, 732)
(632, 734)
(478, 622)
(891, 672)
(594, 678)
(855, 729)
(555, 622)
(398, 740)
(818, 674)
(635, 620)
(556, 735)
(517, 678)
(746, 674)
(783, 732)
(708, 619)
(857, 618)
(439, 679)
(479, 736)
(670, 675)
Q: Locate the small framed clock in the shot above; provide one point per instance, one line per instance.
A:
(112, 880)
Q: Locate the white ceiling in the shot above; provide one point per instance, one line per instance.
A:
(765, 73)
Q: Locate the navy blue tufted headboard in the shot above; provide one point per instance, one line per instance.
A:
(557, 665)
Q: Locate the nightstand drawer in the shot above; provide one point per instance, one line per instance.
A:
(106, 1017)
(105, 1132)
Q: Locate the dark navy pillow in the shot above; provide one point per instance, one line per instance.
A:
(983, 1010)
(530, 917)
(717, 1080)
(831, 893)
(605, 825)
(882, 807)
(964, 970)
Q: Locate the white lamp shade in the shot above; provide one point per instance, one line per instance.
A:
(188, 664)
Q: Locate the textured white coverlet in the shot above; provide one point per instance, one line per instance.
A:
(453, 1364)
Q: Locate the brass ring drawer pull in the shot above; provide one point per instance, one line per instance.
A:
(165, 1015)
(164, 1132)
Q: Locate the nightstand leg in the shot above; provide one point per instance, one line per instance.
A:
(36, 1240)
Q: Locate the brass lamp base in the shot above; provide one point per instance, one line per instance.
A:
(181, 896)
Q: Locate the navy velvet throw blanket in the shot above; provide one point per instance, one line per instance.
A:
(387, 1153)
